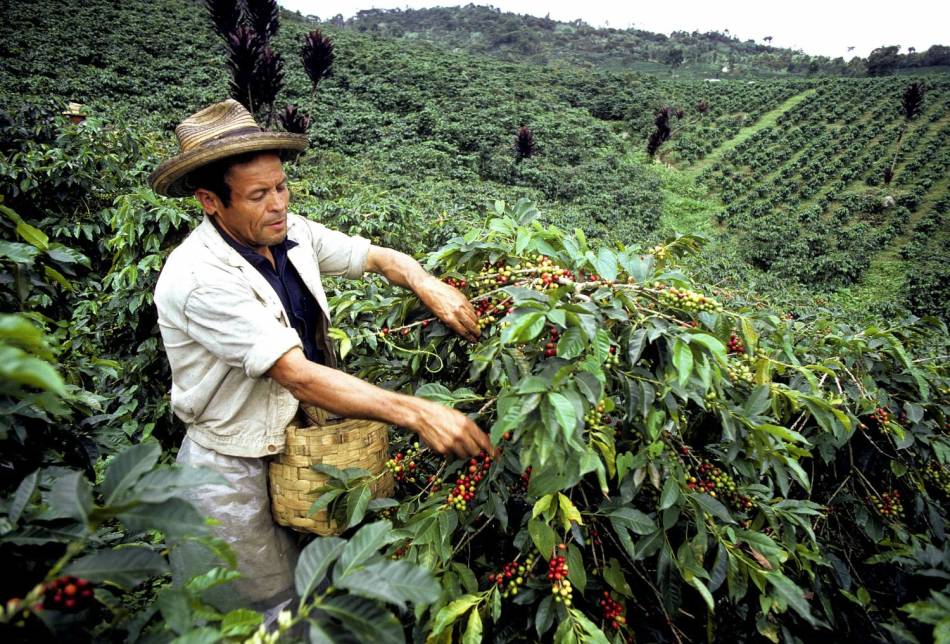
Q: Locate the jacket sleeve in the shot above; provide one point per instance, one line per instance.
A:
(232, 324)
(338, 253)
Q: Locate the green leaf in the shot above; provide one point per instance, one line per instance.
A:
(633, 520)
(203, 635)
(670, 494)
(314, 562)
(127, 468)
(613, 575)
(715, 347)
(396, 582)
(325, 499)
(638, 341)
(564, 413)
(758, 402)
(543, 537)
(365, 619)
(713, 506)
(241, 622)
(17, 253)
(682, 360)
(442, 394)
(572, 343)
(575, 567)
(126, 567)
(698, 584)
(363, 545)
(346, 345)
(793, 596)
(473, 631)
(23, 495)
(32, 235)
(175, 607)
(451, 612)
(523, 328)
(71, 496)
(174, 517)
(357, 501)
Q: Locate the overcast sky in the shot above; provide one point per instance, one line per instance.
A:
(825, 27)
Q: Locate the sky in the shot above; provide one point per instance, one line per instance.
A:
(826, 27)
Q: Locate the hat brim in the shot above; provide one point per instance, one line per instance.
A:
(168, 179)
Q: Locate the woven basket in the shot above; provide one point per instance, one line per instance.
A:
(339, 442)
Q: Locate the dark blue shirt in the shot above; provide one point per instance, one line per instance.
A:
(299, 303)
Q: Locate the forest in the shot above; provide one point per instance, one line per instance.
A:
(713, 310)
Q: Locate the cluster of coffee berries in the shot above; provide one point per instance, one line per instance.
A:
(613, 611)
(888, 505)
(612, 359)
(457, 283)
(468, 480)
(597, 418)
(716, 483)
(404, 466)
(550, 347)
(512, 575)
(492, 276)
(740, 370)
(881, 417)
(68, 594)
(938, 477)
(659, 252)
(491, 310)
(400, 551)
(685, 299)
(549, 274)
(523, 481)
(736, 345)
(557, 575)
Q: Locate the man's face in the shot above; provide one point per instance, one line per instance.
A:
(257, 215)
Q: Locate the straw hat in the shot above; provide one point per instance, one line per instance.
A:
(221, 130)
(74, 109)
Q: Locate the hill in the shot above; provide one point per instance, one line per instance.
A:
(524, 38)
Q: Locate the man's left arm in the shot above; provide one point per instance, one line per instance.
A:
(446, 302)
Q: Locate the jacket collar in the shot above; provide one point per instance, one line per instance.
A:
(300, 255)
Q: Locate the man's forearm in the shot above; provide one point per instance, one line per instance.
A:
(442, 428)
(342, 394)
(398, 268)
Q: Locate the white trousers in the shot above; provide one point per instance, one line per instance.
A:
(266, 553)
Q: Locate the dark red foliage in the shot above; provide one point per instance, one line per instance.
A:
(912, 102)
(225, 15)
(317, 56)
(662, 131)
(293, 120)
(244, 50)
(263, 17)
(524, 143)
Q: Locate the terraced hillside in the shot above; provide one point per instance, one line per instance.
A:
(838, 183)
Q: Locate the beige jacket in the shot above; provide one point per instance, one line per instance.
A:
(223, 327)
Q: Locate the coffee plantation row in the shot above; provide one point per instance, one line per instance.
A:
(681, 459)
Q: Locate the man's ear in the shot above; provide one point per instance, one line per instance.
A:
(208, 200)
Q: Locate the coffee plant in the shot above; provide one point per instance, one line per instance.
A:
(640, 464)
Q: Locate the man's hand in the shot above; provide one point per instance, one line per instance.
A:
(451, 306)
(448, 431)
(444, 429)
(446, 302)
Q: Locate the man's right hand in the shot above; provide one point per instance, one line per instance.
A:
(448, 431)
(444, 429)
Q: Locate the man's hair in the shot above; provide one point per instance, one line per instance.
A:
(211, 177)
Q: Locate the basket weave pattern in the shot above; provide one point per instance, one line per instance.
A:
(345, 443)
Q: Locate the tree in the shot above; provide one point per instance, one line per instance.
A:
(674, 57)
(883, 60)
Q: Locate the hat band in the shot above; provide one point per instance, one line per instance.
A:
(238, 132)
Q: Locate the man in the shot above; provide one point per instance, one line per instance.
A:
(243, 318)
